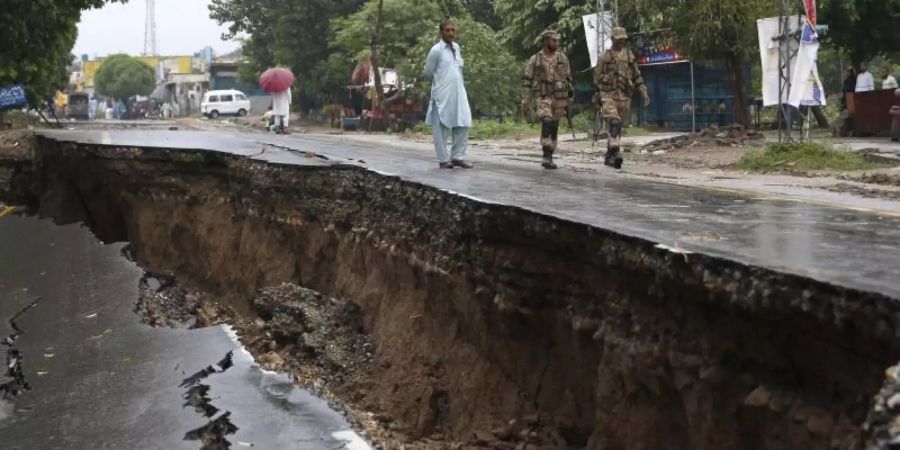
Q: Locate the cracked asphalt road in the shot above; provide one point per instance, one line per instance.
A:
(101, 379)
(850, 247)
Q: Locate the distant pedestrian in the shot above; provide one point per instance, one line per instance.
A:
(888, 82)
(895, 119)
(864, 81)
(120, 110)
(281, 109)
(849, 85)
(166, 110)
(448, 110)
(722, 110)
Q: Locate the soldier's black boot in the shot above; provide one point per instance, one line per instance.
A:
(614, 158)
(547, 162)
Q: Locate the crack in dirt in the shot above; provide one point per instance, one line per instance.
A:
(16, 383)
(212, 435)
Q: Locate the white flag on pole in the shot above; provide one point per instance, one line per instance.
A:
(592, 30)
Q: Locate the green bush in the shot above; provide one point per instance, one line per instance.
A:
(803, 157)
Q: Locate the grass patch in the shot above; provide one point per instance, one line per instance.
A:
(804, 157)
(491, 129)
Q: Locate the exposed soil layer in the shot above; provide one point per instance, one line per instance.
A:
(16, 149)
(489, 326)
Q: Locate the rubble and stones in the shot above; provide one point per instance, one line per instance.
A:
(732, 136)
(164, 302)
(883, 421)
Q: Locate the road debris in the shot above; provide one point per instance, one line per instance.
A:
(733, 136)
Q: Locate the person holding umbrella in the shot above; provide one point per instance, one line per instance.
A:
(281, 109)
(278, 82)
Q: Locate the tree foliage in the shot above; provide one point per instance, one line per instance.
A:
(38, 36)
(405, 22)
(286, 33)
(123, 76)
(524, 20)
(864, 28)
(483, 11)
(718, 32)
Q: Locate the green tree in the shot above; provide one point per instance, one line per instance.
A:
(123, 76)
(405, 22)
(287, 33)
(524, 20)
(483, 11)
(38, 37)
(864, 28)
(722, 32)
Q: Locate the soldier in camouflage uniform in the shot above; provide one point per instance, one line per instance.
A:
(616, 77)
(548, 81)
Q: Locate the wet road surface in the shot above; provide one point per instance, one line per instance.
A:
(851, 248)
(94, 377)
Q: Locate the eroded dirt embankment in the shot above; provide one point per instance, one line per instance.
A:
(494, 326)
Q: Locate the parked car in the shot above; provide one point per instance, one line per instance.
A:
(216, 103)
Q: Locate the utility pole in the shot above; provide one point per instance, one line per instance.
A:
(150, 44)
(376, 102)
(787, 51)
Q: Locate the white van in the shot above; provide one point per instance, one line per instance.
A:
(216, 103)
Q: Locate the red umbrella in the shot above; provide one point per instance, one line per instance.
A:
(362, 72)
(276, 80)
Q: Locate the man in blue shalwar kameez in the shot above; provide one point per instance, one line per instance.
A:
(448, 110)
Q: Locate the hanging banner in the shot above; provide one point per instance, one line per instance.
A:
(806, 87)
(597, 27)
(12, 96)
(767, 30)
(803, 44)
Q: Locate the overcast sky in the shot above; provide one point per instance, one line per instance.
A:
(183, 27)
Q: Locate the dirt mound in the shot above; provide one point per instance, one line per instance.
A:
(734, 136)
(297, 326)
(16, 144)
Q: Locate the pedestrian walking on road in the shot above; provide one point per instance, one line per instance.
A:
(448, 110)
(548, 83)
(616, 77)
(281, 109)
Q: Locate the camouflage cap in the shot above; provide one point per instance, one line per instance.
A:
(619, 33)
(550, 34)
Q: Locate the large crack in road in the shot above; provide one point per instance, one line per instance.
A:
(14, 382)
(482, 325)
(212, 436)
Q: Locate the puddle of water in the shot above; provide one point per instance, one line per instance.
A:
(281, 388)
